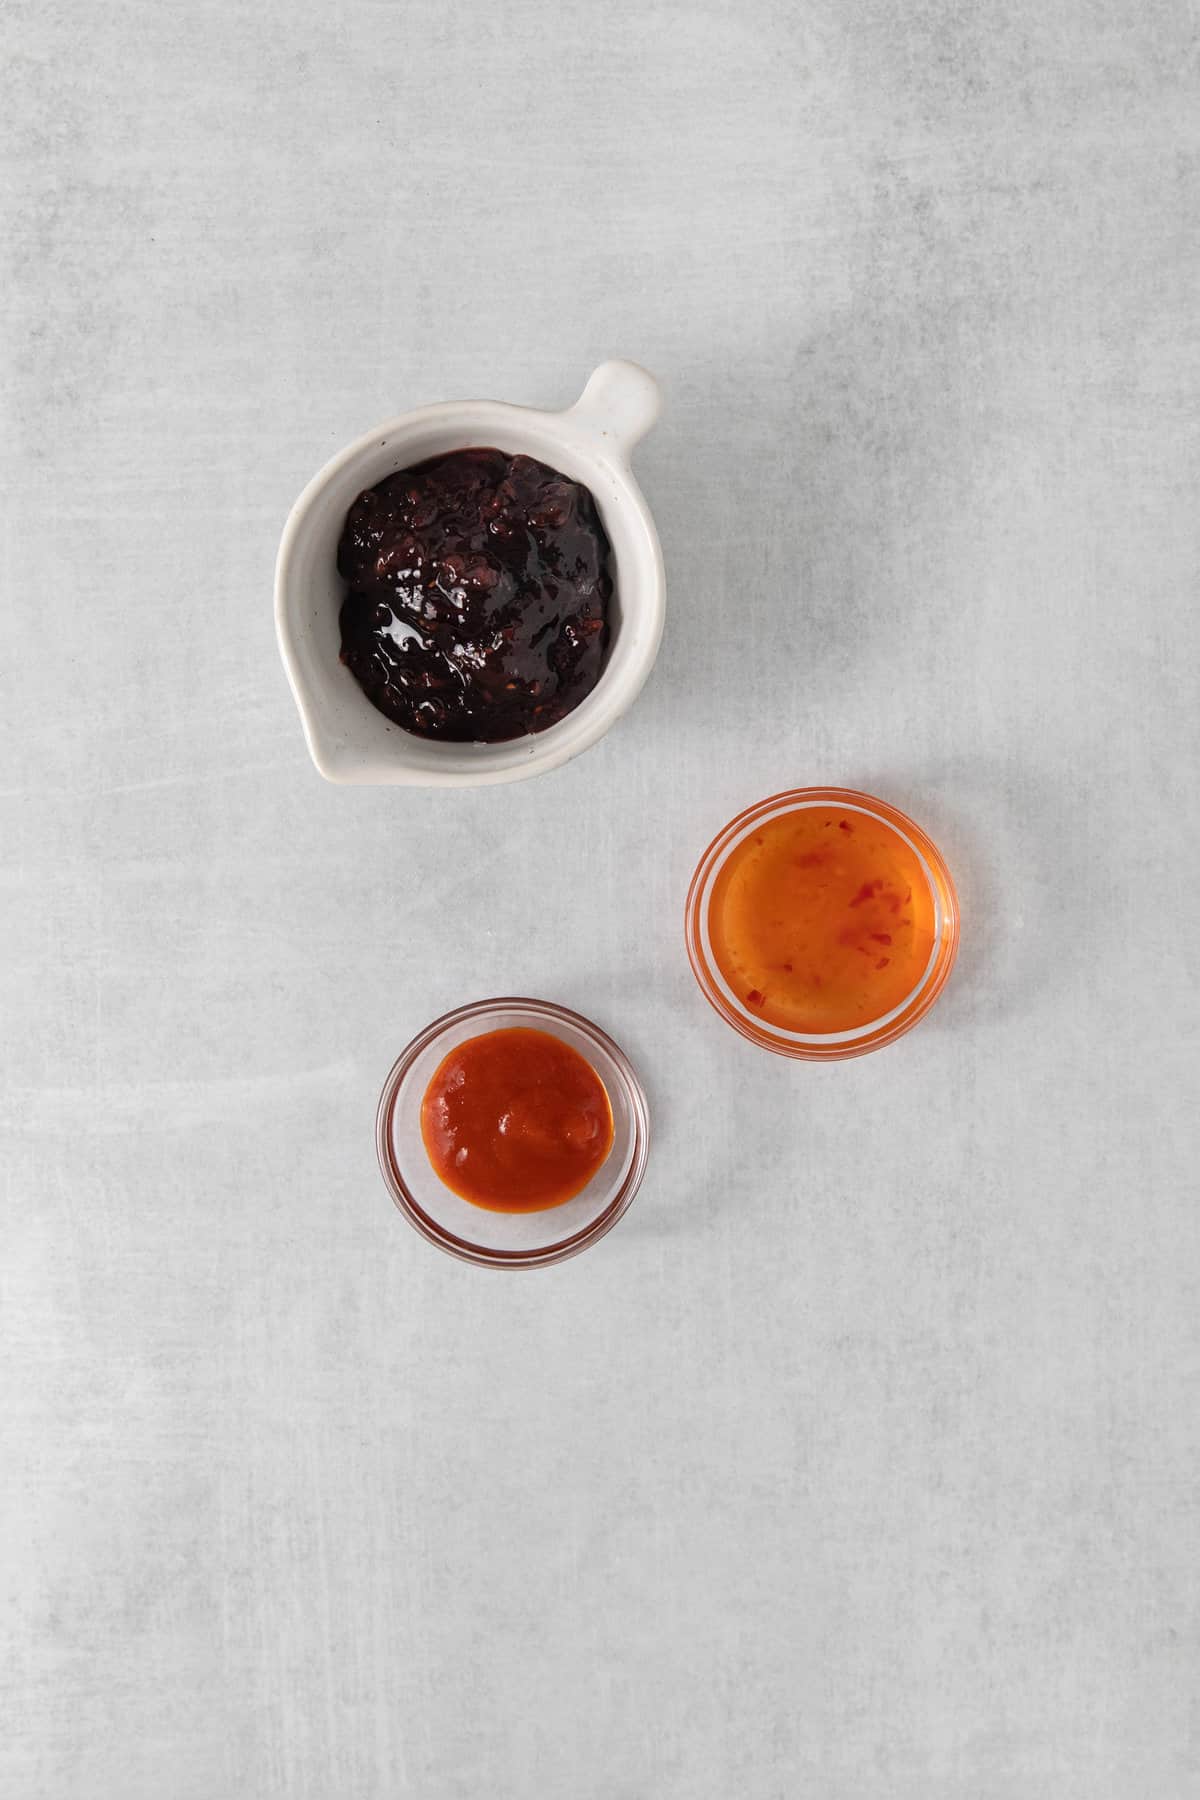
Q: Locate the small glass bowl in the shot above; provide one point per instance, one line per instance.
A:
(502, 1240)
(825, 1046)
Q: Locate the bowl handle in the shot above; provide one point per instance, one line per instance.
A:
(620, 402)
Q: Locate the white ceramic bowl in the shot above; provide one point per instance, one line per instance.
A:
(352, 741)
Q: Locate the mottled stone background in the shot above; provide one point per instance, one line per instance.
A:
(863, 1461)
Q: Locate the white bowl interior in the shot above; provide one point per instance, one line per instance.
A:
(511, 1233)
(350, 739)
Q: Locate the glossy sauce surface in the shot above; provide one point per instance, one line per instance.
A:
(516, 1121)
(478, 593)
(822, 920)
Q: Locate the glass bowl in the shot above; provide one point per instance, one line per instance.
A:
(501, 1240)
(832, 1045)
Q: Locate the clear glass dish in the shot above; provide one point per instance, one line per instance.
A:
(501, 1240)
(822, 1046)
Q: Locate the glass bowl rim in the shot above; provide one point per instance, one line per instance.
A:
(482, 1255)
(873, 1036)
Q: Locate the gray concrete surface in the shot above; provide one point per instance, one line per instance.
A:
(861, 1462)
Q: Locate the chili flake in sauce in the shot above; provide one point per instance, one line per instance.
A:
(822, 919)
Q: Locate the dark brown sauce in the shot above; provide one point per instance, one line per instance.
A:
(478, 593)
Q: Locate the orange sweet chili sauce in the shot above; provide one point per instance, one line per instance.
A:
(822, 919)
(516, 1121)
